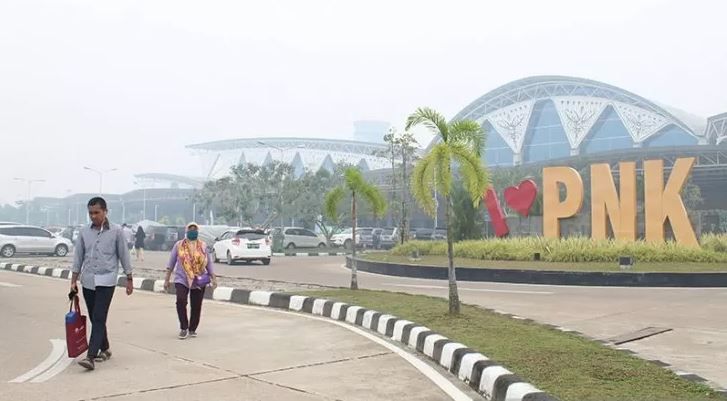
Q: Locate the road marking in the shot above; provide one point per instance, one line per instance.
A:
(437, 287)
(9, 285)
(59, 367)
(438, 379)
(59, 348)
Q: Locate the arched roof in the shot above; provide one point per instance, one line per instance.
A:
(579, 103)
(194, 182)
(335, 145)
(545, 86)
(312, 153)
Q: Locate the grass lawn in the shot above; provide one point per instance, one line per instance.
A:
(566, 366)
(436, 260)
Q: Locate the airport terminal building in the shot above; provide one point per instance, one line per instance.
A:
(531, 122)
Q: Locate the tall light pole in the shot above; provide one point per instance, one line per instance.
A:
(100, 176)
(27, 199)
(282, 155)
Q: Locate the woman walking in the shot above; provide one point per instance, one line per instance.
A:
(139, 243)
(192, 268)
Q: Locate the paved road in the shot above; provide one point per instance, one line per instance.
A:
(698, 317)
(241, 353)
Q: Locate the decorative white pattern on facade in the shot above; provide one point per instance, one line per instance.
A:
(577, 116)
(511, 122)
(717, 128)
(640, 123)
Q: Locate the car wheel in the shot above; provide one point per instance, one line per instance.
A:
(214, 257)
(8, 251)
(229, 258)
(321, 245)
(266, 261)
(61, 251)
(290, 246)
(347, 244)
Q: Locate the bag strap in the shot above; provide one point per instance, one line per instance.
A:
(75, 303)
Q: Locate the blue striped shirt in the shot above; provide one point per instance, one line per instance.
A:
(99, 253)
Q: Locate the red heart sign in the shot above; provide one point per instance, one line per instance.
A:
(521, 197)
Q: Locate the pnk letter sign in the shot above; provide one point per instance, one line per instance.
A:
(661, 201)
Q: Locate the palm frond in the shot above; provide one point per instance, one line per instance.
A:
(375, 198)
(422, 183)
(431, 119)
(354, 179)
(331, 202)
(469, 133)
(473, 173)
(443, 168)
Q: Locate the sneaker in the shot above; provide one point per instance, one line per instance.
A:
(193, 334)
(183, 334)
(87, 363)
(103, 356)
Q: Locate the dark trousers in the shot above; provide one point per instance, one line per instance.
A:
(98, 303)
(196, 296)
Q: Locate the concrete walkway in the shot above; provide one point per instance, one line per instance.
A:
(241, 353)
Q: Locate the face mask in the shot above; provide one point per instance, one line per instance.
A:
(192, 235)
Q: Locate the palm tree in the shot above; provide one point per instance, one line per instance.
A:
(461, 145)
(354, 184)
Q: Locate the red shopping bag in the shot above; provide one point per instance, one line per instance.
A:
(75, 330)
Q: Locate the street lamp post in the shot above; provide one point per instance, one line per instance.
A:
(155, 212)
(27, 199)
(100, 176)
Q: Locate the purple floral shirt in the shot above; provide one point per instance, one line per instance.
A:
(180, 276)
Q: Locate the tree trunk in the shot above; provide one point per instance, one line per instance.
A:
(452, 276)
(354, 277)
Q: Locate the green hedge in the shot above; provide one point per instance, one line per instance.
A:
(715, 242)
(580, 249)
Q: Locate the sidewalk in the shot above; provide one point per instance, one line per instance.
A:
(241, 353)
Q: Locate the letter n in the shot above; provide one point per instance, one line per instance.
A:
(607, 205)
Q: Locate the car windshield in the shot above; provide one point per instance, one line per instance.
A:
(365, 231)
(388, 232)
(250, 236)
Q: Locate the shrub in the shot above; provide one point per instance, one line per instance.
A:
(578, 249)
(715, 242)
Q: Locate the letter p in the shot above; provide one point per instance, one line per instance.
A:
(553, 208)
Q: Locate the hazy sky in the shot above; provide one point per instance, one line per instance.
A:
(127, 84)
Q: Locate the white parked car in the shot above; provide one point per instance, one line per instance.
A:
(244, 244)
(345, 237)
(298, 237)
(30, 239)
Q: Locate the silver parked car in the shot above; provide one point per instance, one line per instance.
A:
(30, 239)
(299, 237)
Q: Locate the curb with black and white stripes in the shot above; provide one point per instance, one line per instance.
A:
(482, 374)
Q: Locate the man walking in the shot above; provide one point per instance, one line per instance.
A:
(99, 249)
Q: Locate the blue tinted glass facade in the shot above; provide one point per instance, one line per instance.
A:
(671, 136)
(497, 153)
(545, 138)
(608, 133)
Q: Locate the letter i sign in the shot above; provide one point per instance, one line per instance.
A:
(519, 197)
